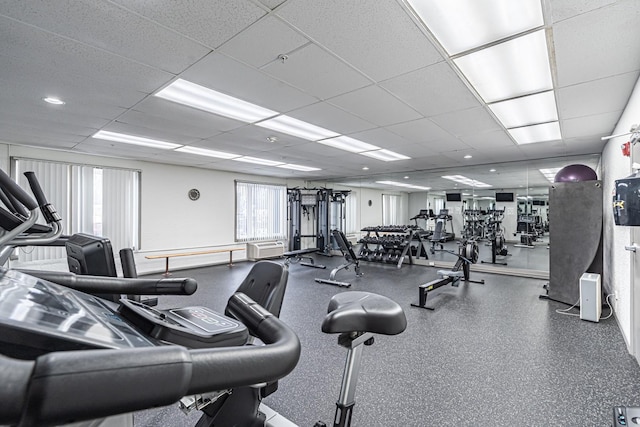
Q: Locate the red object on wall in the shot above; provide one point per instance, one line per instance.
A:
(626, 149)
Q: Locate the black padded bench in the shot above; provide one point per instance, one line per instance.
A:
(293, 257)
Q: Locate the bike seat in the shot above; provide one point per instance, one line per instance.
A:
(363, 312)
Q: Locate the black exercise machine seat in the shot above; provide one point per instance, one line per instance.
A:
(363, 312)
(265, 284)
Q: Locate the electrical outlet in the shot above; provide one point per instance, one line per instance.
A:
(431, 263)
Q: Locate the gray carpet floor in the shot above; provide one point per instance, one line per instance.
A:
(489, 355)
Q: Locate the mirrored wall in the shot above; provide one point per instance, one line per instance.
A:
(477, 186)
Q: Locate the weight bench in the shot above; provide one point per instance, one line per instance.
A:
(349, 256)
(293, 257)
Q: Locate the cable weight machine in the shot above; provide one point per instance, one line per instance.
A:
(323, 209)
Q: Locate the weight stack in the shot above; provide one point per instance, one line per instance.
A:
(575, 237)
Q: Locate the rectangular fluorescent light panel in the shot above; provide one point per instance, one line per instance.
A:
(527, 110)
(135, 140)
(298, 167)
(467, 181)
(205, 152)
(385, 155)
(550, 173)
(516, 67)
(257, 161)
(536, 133)
(349, 144)
(460, 25)
(203, 98)
(404, 185)
(295, 127)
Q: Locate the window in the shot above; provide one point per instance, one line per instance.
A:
(438, 203)
(93, 200)
(351, 213)
(261, 211)
(392, 210)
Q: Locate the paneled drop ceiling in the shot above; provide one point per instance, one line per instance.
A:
(368, 70)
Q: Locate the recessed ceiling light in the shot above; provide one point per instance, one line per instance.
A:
(135, 140)
(492, 170)
(206, 152)
(536, 133)
(365, 168)
(203, 98)
(460, 25)
(526, 110)
(385, 155)
(467, 181)
(295, 127)
(403, 185)
(299, 167)
(257, 161)
(468, 156)
(516, 67)
(406, 177)
(348, 144)
(54, 101)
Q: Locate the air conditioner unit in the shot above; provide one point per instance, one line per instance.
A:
(263, 250)
(590, 297)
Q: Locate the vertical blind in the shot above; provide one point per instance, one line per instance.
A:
(351, 212)
(392, 209)
(261, 211)
(93, 200)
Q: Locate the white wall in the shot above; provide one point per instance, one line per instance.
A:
(617, 261)
(169, 219)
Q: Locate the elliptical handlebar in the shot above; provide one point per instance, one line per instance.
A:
(118, 285)
(10, 187)
(110, 382)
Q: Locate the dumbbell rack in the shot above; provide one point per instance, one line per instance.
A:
(390, 244)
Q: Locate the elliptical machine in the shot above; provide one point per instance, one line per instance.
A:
(58, 381)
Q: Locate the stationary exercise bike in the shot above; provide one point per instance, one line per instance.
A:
(58, 381)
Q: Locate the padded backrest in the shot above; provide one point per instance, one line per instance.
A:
(437, 233)
(344, 245)
(266, 284)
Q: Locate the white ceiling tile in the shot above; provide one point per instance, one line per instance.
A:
(38, 110)
(104, 25)
(356, 32)
(492, 139)
(36, 137)
(329, 117)
(382, 138)
(46, 125)
(272, 4)
(261, 43)
(467, 122)
(611, 31)
(544, 149)
(376, 106)
(166, 124)
(594, 126)
(226, 75)
(44, 51)
(585, 145)
(207, 22)
(432, 90)
(565, 9)
(596, 97)
(420, 131)
(317, 72)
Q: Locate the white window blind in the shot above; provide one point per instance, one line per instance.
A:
(392, 209)
(438, 205)
(351, 212)
(261, 211)
(93, 200)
